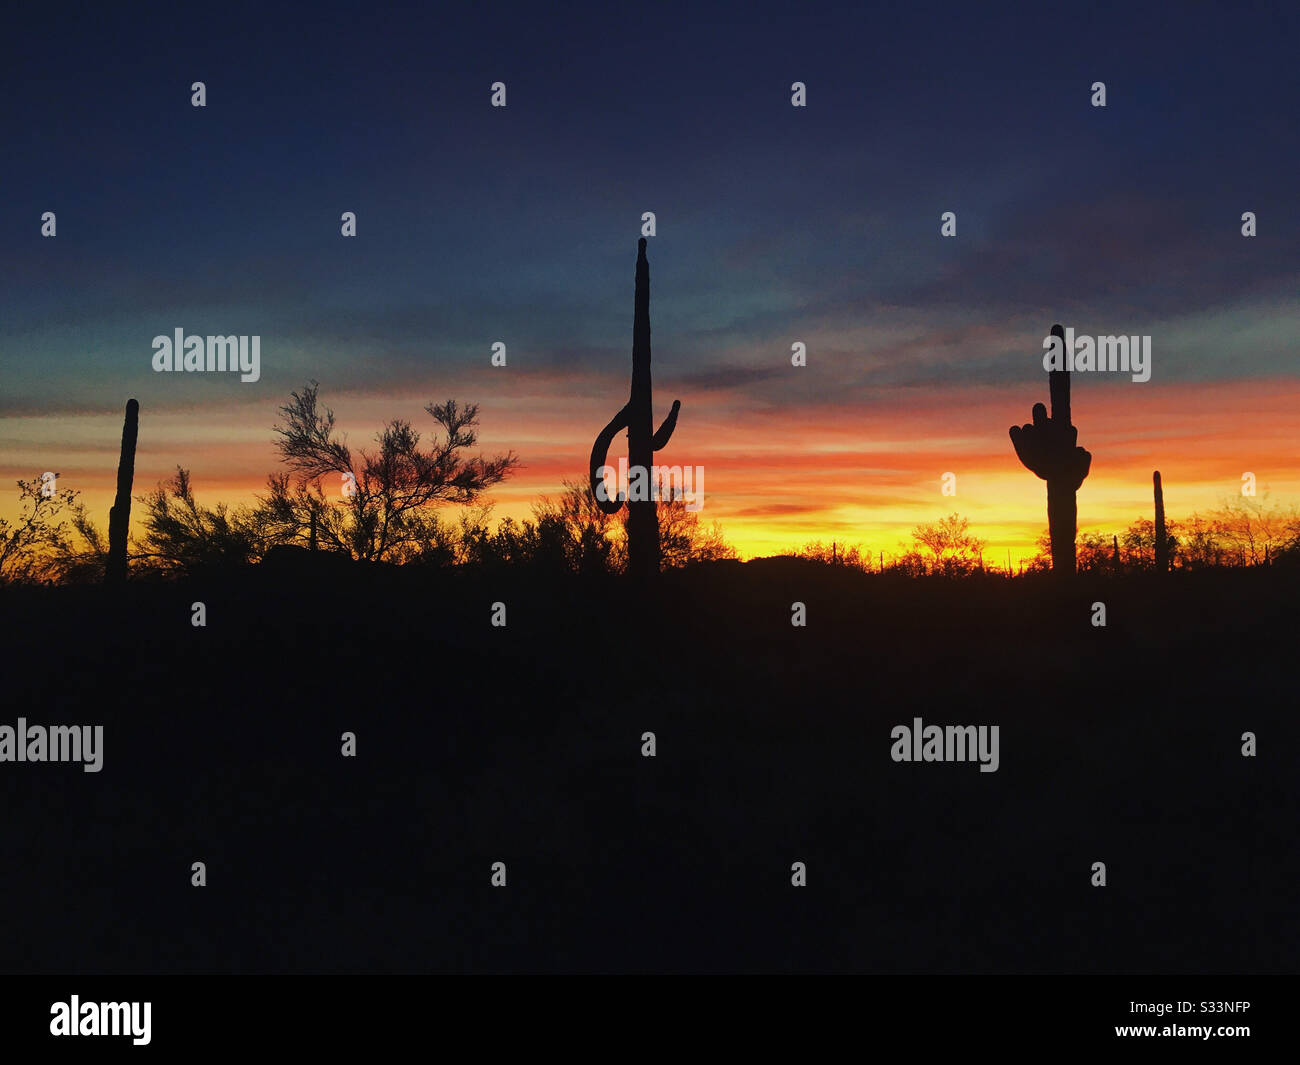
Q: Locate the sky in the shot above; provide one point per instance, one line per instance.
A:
(774, 225)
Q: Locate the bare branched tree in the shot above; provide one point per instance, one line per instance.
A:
(181, 534)
(377, 512)
(950, 546)
(1254, 531)
(683, 538)
(39, 545)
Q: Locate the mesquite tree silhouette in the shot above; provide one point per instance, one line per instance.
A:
(377, 506)
(1049, 448)
(636, 417)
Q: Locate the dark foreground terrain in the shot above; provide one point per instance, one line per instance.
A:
(478, 744)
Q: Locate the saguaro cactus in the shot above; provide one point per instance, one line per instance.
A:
(1049, 448)
(119, 515)
(1162, 537)
(636, 417)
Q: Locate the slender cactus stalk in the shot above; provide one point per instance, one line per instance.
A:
(1162, 536)
(119, 515)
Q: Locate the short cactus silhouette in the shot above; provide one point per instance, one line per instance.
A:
(1048, 447)
(636, 417)
(1162, 536)
(119, 515)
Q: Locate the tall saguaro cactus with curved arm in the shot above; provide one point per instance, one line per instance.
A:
(636, 417)
(1048, 447)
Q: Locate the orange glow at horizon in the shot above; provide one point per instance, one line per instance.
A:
(775, 477)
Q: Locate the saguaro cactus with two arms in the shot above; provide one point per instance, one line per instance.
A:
(636, 417)
(1049, 447)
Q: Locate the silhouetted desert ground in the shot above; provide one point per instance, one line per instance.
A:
(523, 745)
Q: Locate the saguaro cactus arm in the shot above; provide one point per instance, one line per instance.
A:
(660, 440)
(599, 452)
(1049, 446)
(1050, 449)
